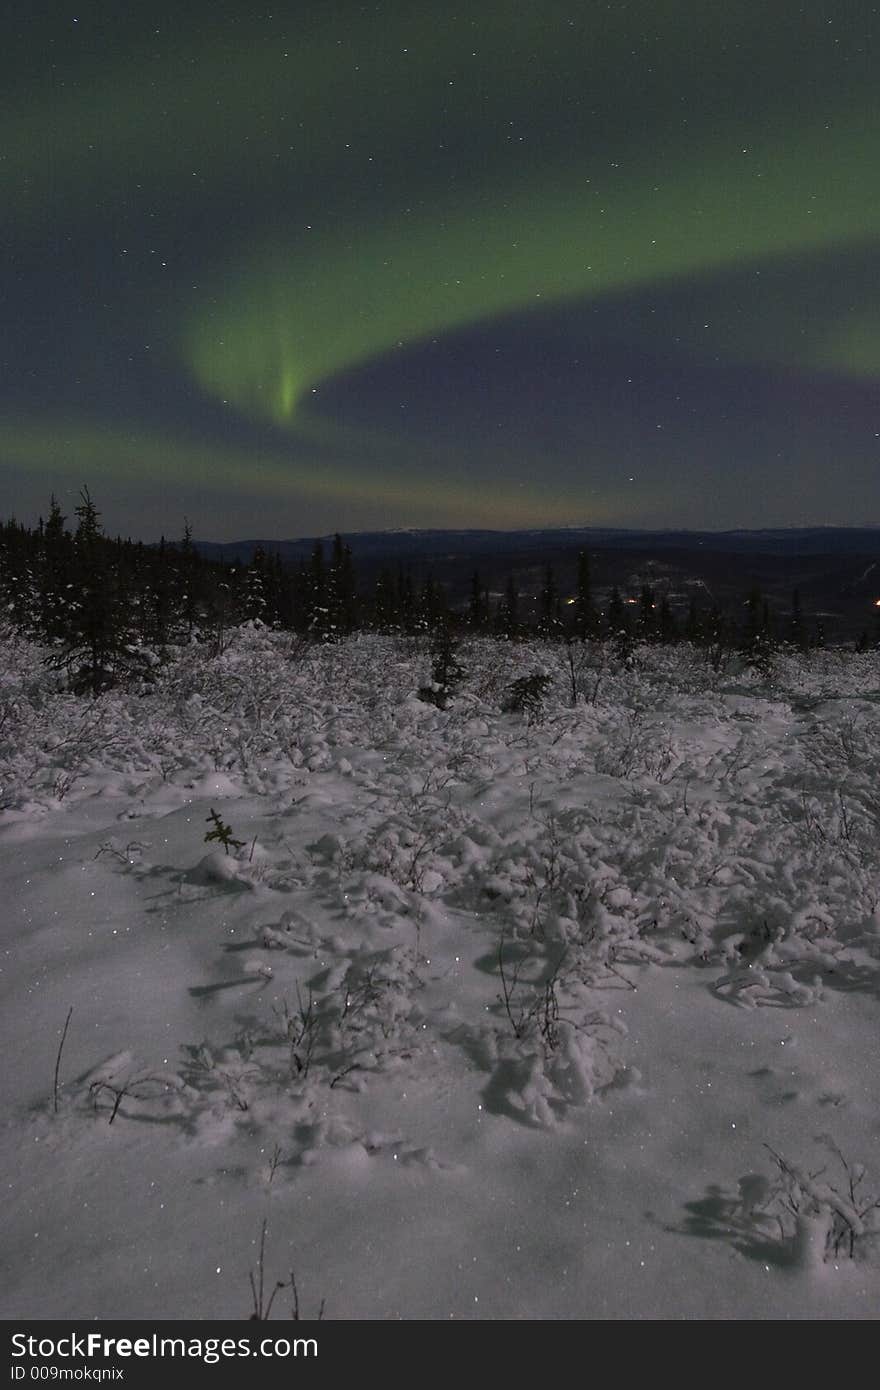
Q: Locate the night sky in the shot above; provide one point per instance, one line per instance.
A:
(343, 266)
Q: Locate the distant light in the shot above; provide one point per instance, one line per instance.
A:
(877, 603)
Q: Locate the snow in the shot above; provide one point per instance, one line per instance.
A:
(568, 1013)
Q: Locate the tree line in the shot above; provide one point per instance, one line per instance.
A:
(108, 608)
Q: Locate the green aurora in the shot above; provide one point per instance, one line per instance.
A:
(295, 316)
(78, 451)
(328, 188)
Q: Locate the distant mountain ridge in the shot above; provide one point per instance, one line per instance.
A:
(417, 544)
(836, 570)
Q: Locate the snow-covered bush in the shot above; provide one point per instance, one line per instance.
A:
(526, 694)
(824, 1216)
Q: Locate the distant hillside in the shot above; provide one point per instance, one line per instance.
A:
(836, 571)
(423, 544)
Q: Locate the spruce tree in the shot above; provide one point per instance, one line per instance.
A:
(189, 577)
(475, 603)
(796, 630)
(754, 616)
(158, 597)
(341, 597)
(281, 587)
(385, 610)
(550, 613)
(618, 618)
(585, 617)
(693, 628)
(758, 642)
(647, 613)
(255, 601)
(433, 607)
(95, 639)
(55, 568)
(509, 612)
(668, 628)
(318, 609)
(19, 597)
(446, 670)
(406, 599)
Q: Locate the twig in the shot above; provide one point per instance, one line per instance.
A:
(346, 1071)
(509, 990)
(262, 1310)
(609, 965)
(58, 1058)
(276, 1159)
(296, 1313)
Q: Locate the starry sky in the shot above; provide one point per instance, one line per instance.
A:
(514, 263)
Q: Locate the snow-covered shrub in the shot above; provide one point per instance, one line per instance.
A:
(824, 1217)
(526, 694)
(446, 672)
(551, 1051)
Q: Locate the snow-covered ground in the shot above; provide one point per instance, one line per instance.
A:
(491, 1014)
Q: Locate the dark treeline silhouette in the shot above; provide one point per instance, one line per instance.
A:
(109, 607)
